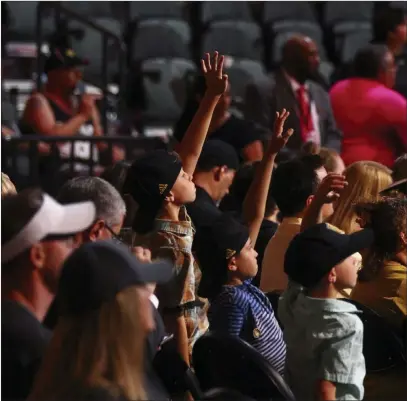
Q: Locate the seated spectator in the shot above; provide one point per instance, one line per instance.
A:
(37, 236)
(294, 184)
(292, 87)
(365, 182)
(96, 351)
(54, 112)
(371, 115)
(323, 333)
(228, 262)
(390, 28)
(382, 282)
(7, 187)
(243, 135)
(213, 177)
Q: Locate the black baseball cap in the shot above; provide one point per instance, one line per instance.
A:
(315, 251)
(216, 153)
(149, 180)
(97, 271)
(63, 58)
(400, 186)
(218, 242)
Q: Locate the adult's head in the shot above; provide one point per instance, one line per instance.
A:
(333, 162)
(388, 220)
(300, 57)
(366, 179)
(63, 69)
(216, 168)
(294, 184)
(390, 28)
(105, 316)
(375, 62)
(110, 207)
(37, 236)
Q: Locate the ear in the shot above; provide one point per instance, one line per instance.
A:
(95, 231)
(170, 197)
(309, 200)
(332, 276)
(37, 255)
(403, 238)
(232, 264)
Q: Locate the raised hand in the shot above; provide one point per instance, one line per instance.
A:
(330, 188)
(142, 254)
(278, 138)
(212, 68)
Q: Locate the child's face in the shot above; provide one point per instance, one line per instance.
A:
(347, 272)
(184, 190)
(246, 261)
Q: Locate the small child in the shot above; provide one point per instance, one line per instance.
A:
(161, 184)
(228, 262)
(323, 333)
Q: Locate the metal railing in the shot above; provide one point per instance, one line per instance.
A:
(28, 164)
(106, 35)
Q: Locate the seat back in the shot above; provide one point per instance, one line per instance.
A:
(224, 10)
(335, 12)
(281, 10)
(158, 9)
(352, 43)
(227, 361)
(382, 347)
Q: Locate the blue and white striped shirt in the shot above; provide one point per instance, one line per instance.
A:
(246, 312)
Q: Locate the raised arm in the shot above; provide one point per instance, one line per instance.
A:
(254, 204)
(191, 145)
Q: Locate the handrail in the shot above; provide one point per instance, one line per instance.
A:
(106, 35)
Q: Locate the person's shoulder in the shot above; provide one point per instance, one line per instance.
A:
(232, 295)
(391, 98)
(344, 324)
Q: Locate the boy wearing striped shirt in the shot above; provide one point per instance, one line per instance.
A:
(228, 262)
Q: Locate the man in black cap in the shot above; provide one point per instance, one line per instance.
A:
(321, 330)
(213, 177)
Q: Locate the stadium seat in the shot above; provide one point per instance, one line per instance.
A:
(276, 11)
(229, 362)
(23, 20)
(398, 4)
(337, 11)
(223, 10)
(90, 9)
(179, 26)
(233, 39)
(158, 9)
(352, 43)
(166, 92)
(156, 40)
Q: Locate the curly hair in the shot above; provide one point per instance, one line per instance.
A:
(388, 219)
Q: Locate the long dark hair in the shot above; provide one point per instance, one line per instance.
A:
(387, 218)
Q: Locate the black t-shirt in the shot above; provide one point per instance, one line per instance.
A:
(23, 343)
(236, 132)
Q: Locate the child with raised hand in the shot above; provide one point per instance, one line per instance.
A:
(228, 262)
(161, 184)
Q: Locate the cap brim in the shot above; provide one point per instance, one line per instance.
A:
(400, 185)
(144, 218)
(157, 272)
(358, 241)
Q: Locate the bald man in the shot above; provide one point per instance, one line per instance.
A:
(292, 87)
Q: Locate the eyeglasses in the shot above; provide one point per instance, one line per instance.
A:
(125, 237)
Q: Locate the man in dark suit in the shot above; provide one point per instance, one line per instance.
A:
(291, 87)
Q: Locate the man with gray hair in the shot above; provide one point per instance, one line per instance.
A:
(110, 206)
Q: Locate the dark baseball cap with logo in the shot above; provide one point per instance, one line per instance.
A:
(149, 180)
(62, 59)
(315, 251)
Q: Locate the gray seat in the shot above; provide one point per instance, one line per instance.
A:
(399, 4)
(292, 25)
(23, 19)
(157, 40)
(158, 9)
(346, 27)
(180, 27)
(223, 10)
(233, 39)
(166, 95)
(338, 11)
(275, 11)
(90, 46)
(92, 9)
(352, 43)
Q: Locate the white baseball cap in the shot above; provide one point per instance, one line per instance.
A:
(51, 219)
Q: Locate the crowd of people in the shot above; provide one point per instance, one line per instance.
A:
(303, 201)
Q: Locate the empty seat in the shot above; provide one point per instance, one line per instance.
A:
(275, 11)
(157, 40)
(179, 26)
(352, 43)
(251, 29)
(157, 9)
(23, 19)
(166, 91)
(224, 10)
(233, 40)
(337, 11)
(92, 9)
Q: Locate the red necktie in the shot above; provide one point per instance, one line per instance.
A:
(306, 122)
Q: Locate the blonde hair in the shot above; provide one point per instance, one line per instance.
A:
(101, 349)
(7, 187)
(366, 179)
